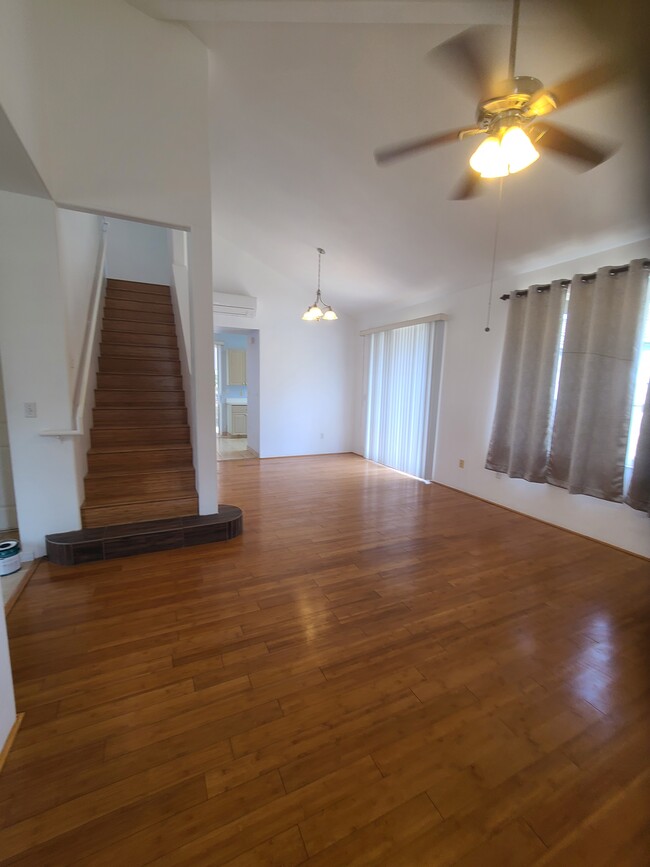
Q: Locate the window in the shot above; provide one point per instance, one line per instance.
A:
(402, 381)
(642, 379)
(640, 391)
(571, 368)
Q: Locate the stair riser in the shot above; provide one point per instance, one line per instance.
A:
(124, 326)
(136, 295)
(137, 382)
(132, 286)
(139, 460)
(133, 316)
(132, 350)
(103, 437)
(151, 417)
(106, 515)
(108, 488)
(131, 338)
(137, 305)
(121, 399)
(139, 365)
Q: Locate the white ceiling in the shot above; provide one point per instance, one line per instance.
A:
(302, 97)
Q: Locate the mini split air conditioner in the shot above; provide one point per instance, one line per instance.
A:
(234, 305)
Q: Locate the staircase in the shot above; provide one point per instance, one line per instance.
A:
(140, 461)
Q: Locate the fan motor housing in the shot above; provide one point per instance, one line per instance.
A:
(515, 94)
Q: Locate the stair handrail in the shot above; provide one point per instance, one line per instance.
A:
(80, 393)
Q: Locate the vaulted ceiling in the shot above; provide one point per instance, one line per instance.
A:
(304, 92)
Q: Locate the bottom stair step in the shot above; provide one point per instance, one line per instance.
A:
(150, 510)
(126, 540)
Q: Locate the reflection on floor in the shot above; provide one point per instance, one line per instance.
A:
(233, 449)
(10, 583)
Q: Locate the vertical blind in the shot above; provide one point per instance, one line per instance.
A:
(403, 373)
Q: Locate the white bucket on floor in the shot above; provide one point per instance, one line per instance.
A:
(9, 557)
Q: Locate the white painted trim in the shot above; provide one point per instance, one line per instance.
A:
(437, 317)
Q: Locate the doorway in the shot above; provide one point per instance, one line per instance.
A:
(236, 369)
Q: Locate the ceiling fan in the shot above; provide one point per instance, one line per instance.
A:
(508, 112)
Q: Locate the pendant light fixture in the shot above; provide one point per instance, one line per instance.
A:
(319, 310)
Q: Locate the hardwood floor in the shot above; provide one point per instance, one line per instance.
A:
(376, 672)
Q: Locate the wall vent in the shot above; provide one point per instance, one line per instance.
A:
(234, 305)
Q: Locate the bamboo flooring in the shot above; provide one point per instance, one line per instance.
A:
(377, 672)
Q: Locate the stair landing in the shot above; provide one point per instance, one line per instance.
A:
(125, 540)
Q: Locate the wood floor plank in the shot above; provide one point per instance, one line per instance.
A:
(375, 672)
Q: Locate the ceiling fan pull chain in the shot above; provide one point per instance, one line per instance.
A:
(494, 255)
(513, 38)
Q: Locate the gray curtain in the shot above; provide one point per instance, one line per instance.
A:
(520, 435)
(594, 401)
(638, 496)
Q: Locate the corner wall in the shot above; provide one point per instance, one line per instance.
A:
(470, 380)
(35, 370)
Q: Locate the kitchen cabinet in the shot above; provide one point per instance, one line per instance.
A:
(237, 420)
(236, 367)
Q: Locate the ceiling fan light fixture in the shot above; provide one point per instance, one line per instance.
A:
(517, 149)
(489, 160)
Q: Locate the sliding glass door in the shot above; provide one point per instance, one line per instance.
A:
(403, 367)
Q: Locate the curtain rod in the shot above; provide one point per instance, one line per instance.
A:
(585, 278)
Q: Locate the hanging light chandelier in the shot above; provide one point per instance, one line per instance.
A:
(319, 310)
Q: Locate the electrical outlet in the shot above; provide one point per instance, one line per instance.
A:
(322, 436)
(30, 410)
(461, 463)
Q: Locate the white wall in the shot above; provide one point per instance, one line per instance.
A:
(139, 252)
(112, 109)
(306, 368)
(79, 240)
(469, 387)
(7, 701)
(35, 369)
(79, 237)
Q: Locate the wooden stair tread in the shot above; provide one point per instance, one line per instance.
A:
(136, 474)
(149, 447)
(140, 465)
(115, 283)
(136, 497)
(106, 426)
(134, 350)
(140, 366)
(118, 513)
(116, 398)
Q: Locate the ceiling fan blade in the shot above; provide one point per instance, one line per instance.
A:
(471, 56)
(559, 140)
(575, 87)
(468, 187)
(388, 154)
